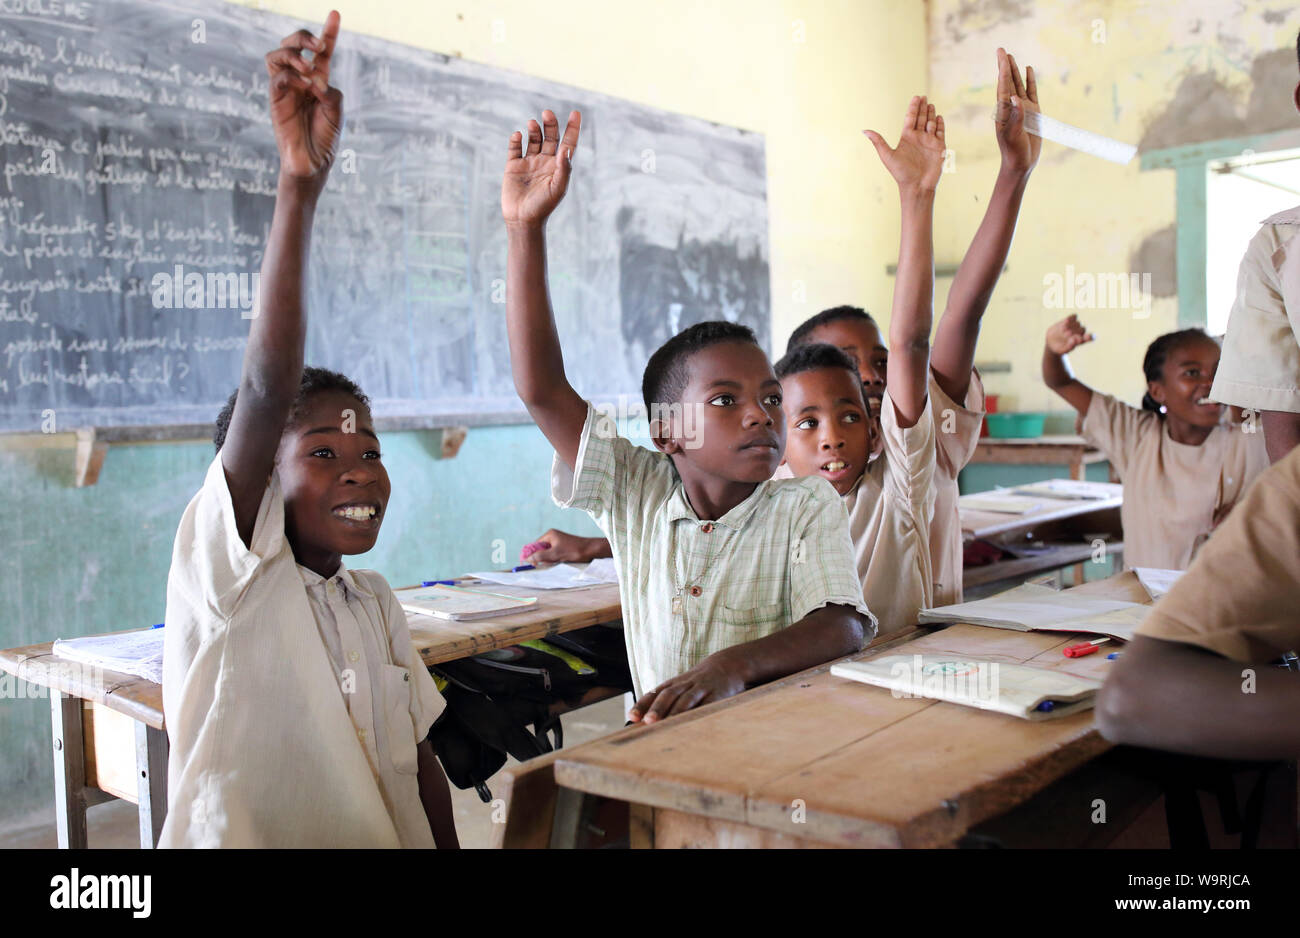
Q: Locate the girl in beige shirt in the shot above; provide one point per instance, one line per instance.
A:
(1183, 467)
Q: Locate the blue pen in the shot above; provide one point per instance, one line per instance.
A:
(522, 567)
(1113, 655)
(158, 626)
(438, 583)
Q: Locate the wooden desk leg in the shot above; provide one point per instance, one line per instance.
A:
(69, 771)
(151, 782)
(569, 809)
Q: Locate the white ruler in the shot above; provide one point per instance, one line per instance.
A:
(1076, 138)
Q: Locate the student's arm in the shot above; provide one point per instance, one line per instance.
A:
(435, 795)
(534, 183)
(915, 164)
(953, 356)
(570, 548)
(1174, 696)
(306, 114)
(825, 634)
(1062, 338)
(1281, 432)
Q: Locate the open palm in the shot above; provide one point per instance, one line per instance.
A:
(918, 158)
(306, 113)
(537, 175)
(1019, 147)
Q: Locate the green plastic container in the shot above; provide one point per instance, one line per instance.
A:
(1015, 426)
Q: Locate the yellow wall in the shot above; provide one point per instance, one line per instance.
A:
(809, 75)
(1168, 73)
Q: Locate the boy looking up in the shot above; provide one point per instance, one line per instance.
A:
(727, 579)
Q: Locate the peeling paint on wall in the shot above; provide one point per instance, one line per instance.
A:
(1157, 256)
(1205, 108)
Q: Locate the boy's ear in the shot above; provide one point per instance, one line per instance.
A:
(661, 436)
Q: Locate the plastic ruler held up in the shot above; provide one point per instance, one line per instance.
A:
(1076, 138)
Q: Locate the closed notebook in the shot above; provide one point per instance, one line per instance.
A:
(457, 602)
(1013, 689)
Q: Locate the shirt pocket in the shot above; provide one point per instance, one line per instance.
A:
(397, 711)
(732, 626)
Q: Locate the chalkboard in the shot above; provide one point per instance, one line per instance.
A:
(138, 185)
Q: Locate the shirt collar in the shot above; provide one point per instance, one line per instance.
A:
(679, 507)
(343, 577)
(1290, 217)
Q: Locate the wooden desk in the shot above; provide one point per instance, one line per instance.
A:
(1073, 451)
(815, 760)
(1063, 523)
(110, 740)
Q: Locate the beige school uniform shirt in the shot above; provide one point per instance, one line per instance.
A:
(889, 510)
(1174, 494)
(690, 587)
(1241, 597)
(1260, 364)
(294, 703)
(956, 435)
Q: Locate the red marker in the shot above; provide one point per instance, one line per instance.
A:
(1087, 648)
(534, 547)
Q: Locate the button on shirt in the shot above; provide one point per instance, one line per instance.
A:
(294, 704)
(688, 592)
(1260, 364)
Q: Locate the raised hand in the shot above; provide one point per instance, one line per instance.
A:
(306, 113)
(1019, 148)
(537, 175)
(1065, 336)
(917, 161)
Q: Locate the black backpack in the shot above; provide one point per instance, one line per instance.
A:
(494, 697)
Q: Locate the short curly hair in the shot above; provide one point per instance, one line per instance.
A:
(803, 332)
(314, 381)
(812, 356)
(666, 373)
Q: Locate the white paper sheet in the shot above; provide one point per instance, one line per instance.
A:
(561, 576)
(1157, 582)
(1029, 607)
(1000, 503)
(1070, 489)
(139, 653)
(601, 570)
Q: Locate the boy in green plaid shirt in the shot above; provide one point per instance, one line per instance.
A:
(728, 578)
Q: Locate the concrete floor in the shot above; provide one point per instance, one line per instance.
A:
(113, 825)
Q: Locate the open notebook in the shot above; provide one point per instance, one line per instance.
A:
(1014, 689)
(1030, 607)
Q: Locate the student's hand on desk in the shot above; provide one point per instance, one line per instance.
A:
(917, 162)
(306, 113)
(712, 679)
(537, 176)
(1019, 147)
(1065, 336)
